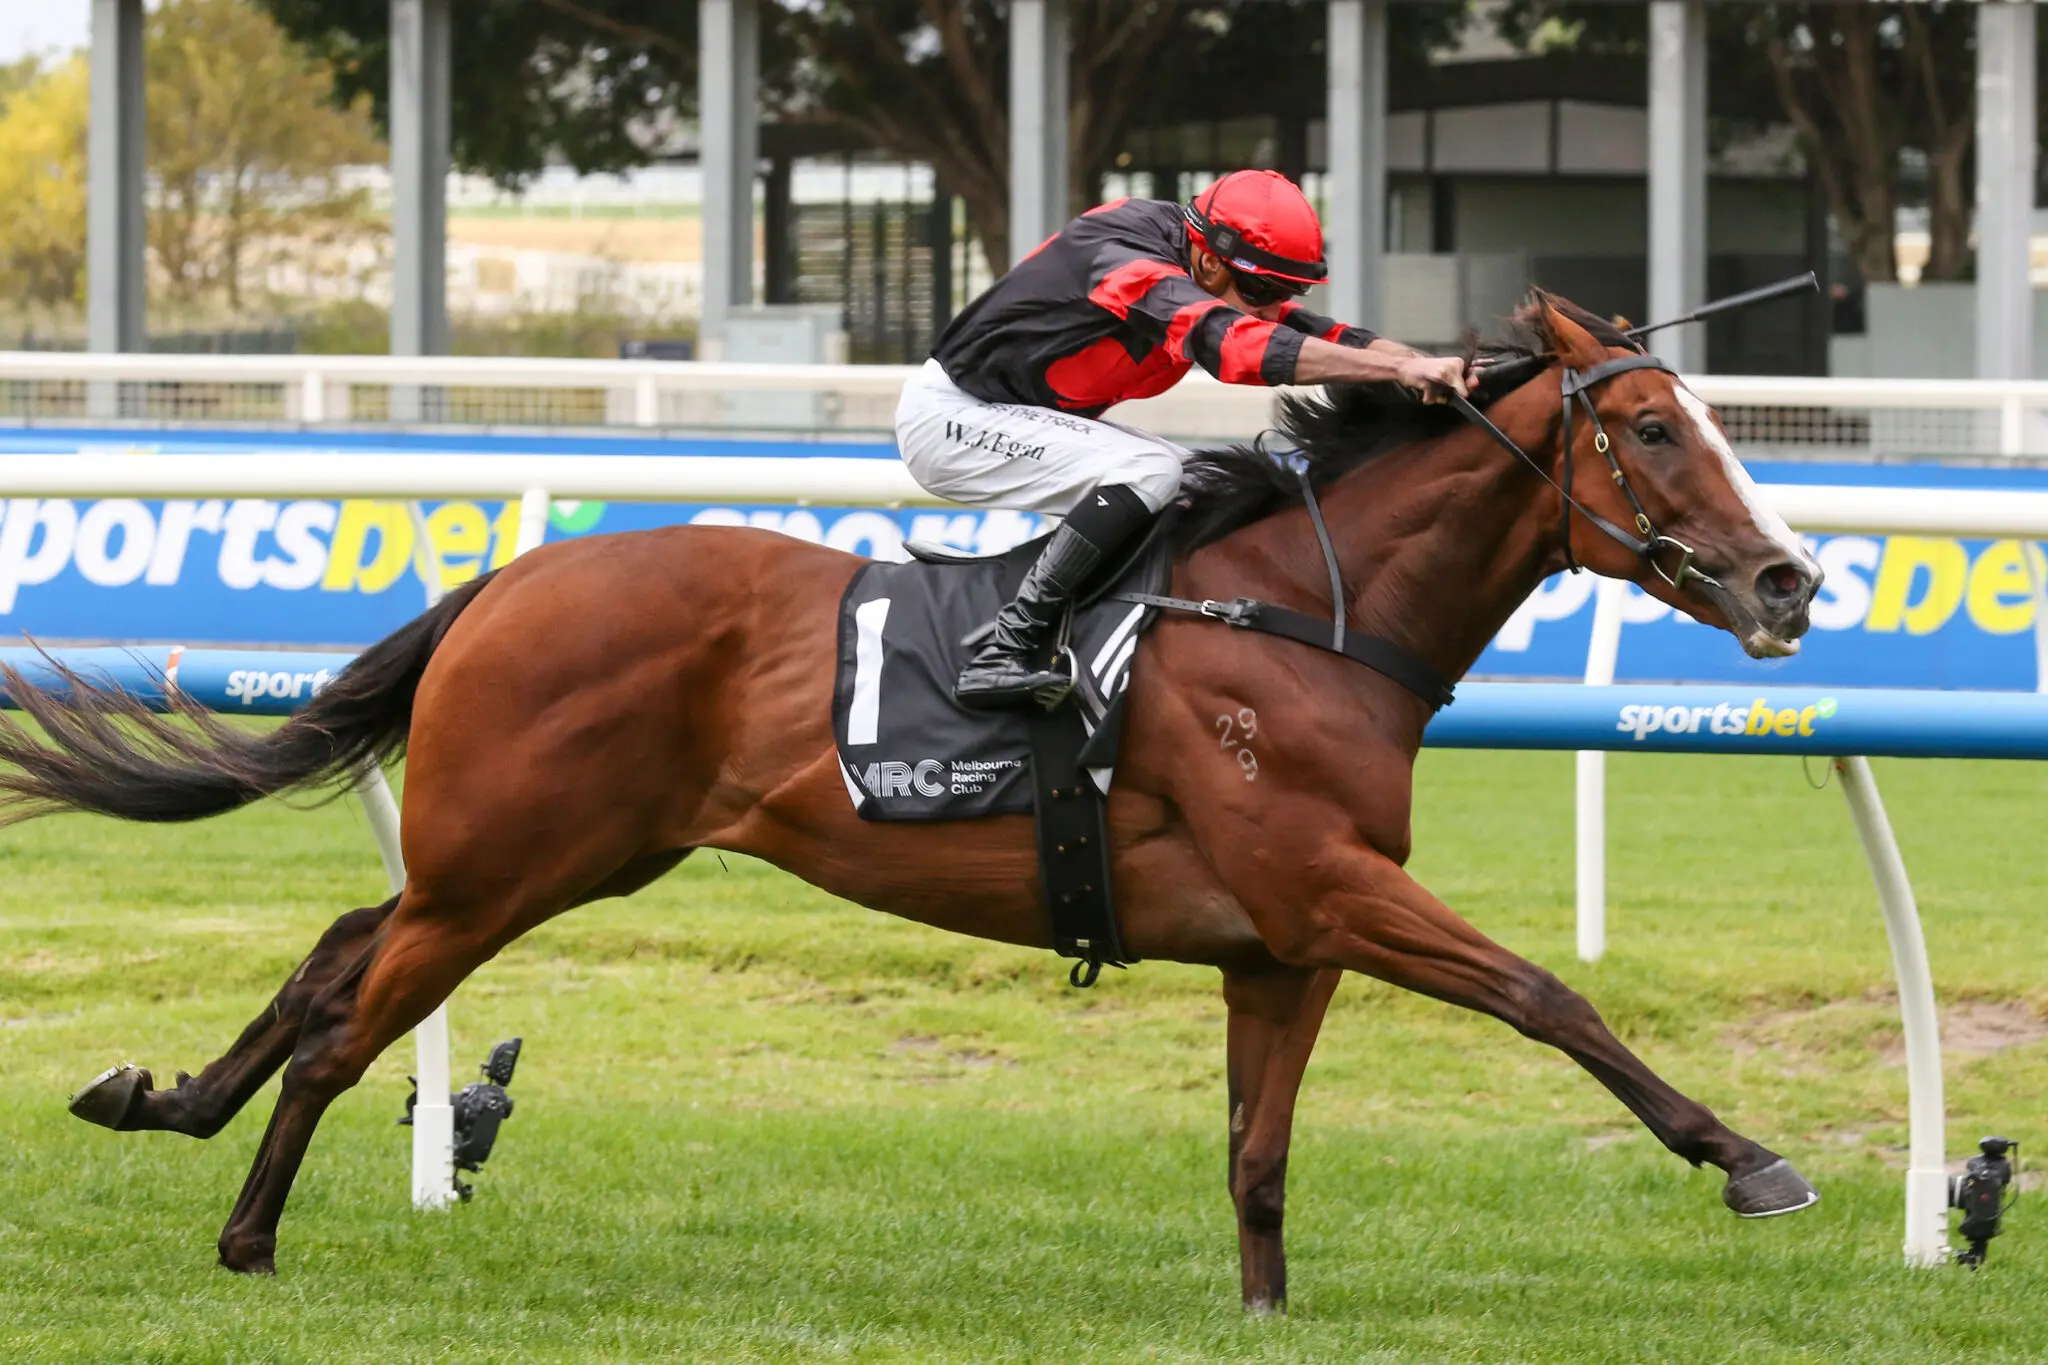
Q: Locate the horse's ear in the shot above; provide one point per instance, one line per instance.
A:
(1569, 342)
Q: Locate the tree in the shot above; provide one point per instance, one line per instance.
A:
(1862, 84)
(926, 80)
(246, 144)
(594, 82)
(42, 182)
(18, 75)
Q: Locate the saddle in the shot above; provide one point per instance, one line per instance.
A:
(908, 751)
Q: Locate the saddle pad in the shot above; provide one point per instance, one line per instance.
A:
(907, 750)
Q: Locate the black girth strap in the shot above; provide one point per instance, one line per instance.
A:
(1073, 847)
(1249, 613)
(1381, 656)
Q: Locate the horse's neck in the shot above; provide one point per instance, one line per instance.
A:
(1441, 541)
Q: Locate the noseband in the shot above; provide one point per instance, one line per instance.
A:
(1650, 542)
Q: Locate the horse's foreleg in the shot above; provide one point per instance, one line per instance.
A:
(1275, 1013)
(202, 1105)
(1376, 919)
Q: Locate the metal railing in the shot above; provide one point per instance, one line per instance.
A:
(1767, 416)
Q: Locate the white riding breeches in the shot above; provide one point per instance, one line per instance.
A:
(1028, 459)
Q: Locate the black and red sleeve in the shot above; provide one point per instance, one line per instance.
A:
(1235, 347)
(1316, 325)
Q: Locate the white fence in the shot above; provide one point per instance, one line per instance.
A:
(1766, 417)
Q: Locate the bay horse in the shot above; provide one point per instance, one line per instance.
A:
(579, 722)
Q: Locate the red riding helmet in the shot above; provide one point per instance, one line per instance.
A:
(1259, 223)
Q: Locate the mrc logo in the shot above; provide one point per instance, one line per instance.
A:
(1757, 718)
(893, 778)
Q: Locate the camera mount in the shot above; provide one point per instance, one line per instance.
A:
(1980, 1192)
(480, 1108)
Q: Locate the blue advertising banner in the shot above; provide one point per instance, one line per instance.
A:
(1897, 611)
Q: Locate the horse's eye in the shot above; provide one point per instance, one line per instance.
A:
(1653, 434)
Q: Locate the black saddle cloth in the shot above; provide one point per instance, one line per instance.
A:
(907, 750)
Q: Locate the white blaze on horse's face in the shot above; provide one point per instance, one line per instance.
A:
(1768, 523)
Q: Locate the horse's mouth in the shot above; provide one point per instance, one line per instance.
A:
(1761, 644)
(1758, 640)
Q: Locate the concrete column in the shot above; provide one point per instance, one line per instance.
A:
(419, 178)
(2005, 189)
(114, 274)
(778, 233)
(1678, 174)
(1038, 123)
(1355, 228)
(729, 119)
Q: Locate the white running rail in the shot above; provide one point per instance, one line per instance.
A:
(1765, 415)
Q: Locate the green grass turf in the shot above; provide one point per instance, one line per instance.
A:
(758, 1124)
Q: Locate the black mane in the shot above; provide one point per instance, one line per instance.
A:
(1350, 424)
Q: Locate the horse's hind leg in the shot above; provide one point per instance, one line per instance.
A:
(1275, 1013)
(200, 1106)
(123, 1099)
(411, 965)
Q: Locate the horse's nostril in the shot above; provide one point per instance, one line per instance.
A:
(1782, 583)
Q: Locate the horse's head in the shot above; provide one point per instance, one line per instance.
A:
(1656, 464)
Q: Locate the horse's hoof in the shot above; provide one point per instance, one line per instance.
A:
(249, 1260)
(109, 1098)
(254, 1265)
(1775, 1189)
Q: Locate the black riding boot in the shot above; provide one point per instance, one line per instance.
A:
(1001, 674)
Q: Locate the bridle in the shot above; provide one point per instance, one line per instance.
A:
(1649, 542)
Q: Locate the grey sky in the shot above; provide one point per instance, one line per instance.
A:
(29, 26)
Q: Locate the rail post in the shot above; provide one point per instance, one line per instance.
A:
(1591, 812)
(1927, 1167)
(433, 1120)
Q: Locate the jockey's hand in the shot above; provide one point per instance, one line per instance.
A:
(1432, 376)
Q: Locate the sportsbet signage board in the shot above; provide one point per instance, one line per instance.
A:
(1897, 611)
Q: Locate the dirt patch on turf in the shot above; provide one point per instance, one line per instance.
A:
(1978, 1028)
(1971, 1028)
(947, 1062)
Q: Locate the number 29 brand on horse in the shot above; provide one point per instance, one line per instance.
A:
(1257, 820)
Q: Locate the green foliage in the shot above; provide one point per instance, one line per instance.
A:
(18, 75)
(602, 82)
(244, 147)
(42, 183)
(1862, 85)
(247, 148)
(755, 1123)
(597, 83)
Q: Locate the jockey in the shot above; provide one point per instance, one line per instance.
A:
(1119, 304)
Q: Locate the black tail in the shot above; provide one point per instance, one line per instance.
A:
(108, 753)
